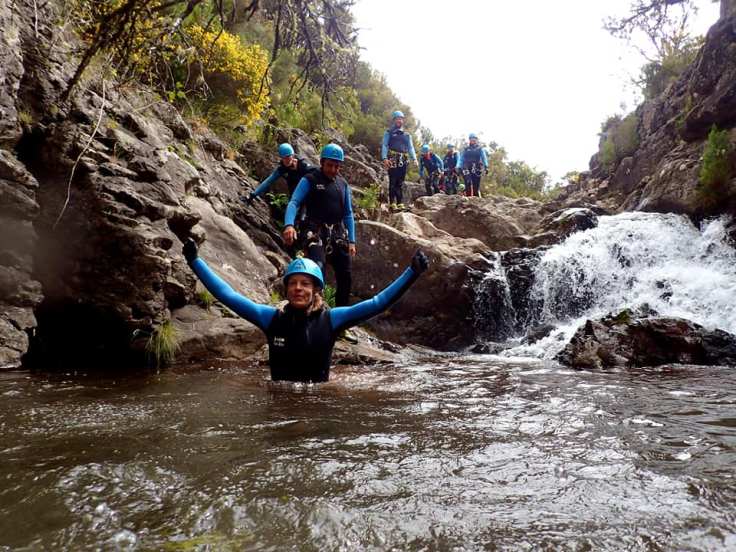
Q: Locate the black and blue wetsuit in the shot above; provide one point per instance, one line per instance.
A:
(450, 163)
(328, 227)
(398, 148)
(472, 161)
(299, 344)
(292, 176)
(434, 167)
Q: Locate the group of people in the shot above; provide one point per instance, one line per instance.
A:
(319, 217)
(440, 175)
(319, 222)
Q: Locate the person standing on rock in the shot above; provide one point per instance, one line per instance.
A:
(449, 181)
(472, 162)
(328, 229)
(291, 167)
(302, 334)
(396, 150)
(433, 164)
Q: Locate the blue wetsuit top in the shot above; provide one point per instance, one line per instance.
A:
(300, 195)
(300, 345)
(483, 157)
(409, 144)
(433, 164)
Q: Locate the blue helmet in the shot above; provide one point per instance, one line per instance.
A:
(425, 148)
(332, 151)
(472, 136)
(285, 150)
(304, 266)
(396, 114)
(450, 146)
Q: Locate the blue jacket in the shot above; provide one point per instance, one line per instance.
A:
(433, 164)
(387, 137)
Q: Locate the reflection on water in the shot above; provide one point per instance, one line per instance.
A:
(445, 453)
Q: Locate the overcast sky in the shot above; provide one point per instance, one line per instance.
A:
(538, 76)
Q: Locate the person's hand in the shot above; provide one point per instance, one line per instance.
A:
(416, 163)
(419, 262)
(249, 199)
(289, 235)
(386, 164)
(190, 250)
(352, 250)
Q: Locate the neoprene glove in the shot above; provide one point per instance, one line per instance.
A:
(419, 262)
(190, 250)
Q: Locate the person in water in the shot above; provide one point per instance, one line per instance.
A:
(396, 150)
(434, 167)
(472, 162)
(291, 167)
(302, 334)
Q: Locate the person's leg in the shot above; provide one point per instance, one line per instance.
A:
(400, 183)
(315, 250)
(342, 265)
(477, 185)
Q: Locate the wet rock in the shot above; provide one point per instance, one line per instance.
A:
(558, 225)
(437, 310)
(496, 221)
(634, 340)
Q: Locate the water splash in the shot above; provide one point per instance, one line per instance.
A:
(630, 260)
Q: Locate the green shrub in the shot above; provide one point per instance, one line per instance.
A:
(275, 298)
(278, 201)
(716, 169)
(206, 299)
(329, 295)
(163, 344)
(619, 139)
(369, 199)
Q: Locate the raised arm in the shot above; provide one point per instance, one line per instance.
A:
(260, 315)
(344, 317)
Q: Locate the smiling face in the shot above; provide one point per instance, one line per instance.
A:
(330, 168)
(399, 122)
(300, 291)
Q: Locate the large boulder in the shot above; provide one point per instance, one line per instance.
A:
(634, 340)
(499, 222)
(557, 226)
(437, 310)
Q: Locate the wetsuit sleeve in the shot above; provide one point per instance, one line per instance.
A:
(412, 153)
(441, 165)
(255, 313)
(484, 157)
(384, 146)
(459, 164)
(295, 202)
(348, 219)
(421, 166)
(266, 184)
(344, 317)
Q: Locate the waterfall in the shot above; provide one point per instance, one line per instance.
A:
(627, 261)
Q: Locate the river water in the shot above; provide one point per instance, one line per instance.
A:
(439, 453)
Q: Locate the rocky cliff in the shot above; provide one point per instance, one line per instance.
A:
(661, 175)
(97, 192)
